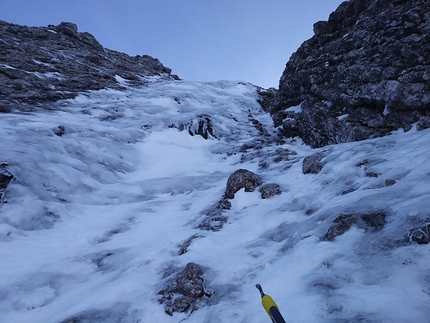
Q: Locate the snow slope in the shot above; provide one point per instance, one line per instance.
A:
(94, 217)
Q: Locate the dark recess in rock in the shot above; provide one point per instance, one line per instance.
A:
(5, 179)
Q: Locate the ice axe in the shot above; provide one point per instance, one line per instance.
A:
(270, 306)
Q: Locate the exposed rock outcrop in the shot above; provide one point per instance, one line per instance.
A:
(45, 64)
(214, 217)
(5, 179)
(367, 221)
(312, 164)
(185, 291)
(364, 73)
(202, 126)
(270, 190)
(420, 235)
(241, 178)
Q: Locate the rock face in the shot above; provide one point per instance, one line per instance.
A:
(364, 73)
(43, 64)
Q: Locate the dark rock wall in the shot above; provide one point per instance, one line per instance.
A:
(43, 64)
(364, 73)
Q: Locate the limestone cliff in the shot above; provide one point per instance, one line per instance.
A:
(364, 73)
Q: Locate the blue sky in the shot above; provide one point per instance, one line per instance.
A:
(200, 40)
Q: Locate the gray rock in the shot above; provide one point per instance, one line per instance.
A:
(363, 74)
(185, 291)
(5, 179)
(41, 65)
(270, 190)
(389, 182)
(312, 164)
(340, 225)
(372, 174)
(420, 235)
(213, 222)
(424, 123)
(183, 247)
(202, 126)
(375, 220)
(322, 27)
(68, 29)
(241, 178)
(214, 216)
(60, 131)
(369, 221)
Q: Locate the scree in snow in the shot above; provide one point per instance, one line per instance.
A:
(96, 214)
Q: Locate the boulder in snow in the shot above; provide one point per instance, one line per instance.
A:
(270, 190)
(312, 164)
(340, 225)
(420, 235)
(241, 178)
(184, 291)
(369, 221)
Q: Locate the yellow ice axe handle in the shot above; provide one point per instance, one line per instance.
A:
(268, 303)
(270, 306)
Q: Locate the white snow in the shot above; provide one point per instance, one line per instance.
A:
(41, 63)
(296, 108)
(93, 218)
(386, 111)
(343, 116)
(327, 103)
(8, 66)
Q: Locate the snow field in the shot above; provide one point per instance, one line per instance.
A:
(95, 217)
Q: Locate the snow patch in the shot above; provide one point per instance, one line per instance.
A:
(295, 109)
(343, 116)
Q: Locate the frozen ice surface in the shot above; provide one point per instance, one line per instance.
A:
(95, 216)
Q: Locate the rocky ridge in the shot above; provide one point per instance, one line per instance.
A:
(364, 73)
(46, 64)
